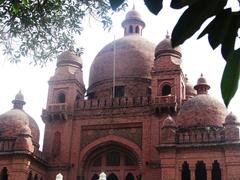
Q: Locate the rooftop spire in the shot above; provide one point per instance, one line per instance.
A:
(202, 87)
(18, 102)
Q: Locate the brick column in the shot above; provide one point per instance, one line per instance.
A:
(209, 172)
(192, 171)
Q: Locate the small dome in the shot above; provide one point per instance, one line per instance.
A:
(133, 14)
(169, 122)
(202, 80)
(165, 47)
(231, 119)
(134, 58)
(202, 110)
(68, 57)
(13, 121)
(190, 91)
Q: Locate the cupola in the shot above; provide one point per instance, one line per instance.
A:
(133, 23)
(202, 87)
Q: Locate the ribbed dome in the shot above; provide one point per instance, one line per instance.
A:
(13, 121)
(133, 14)
(202, 110)
(134, 58)
(68, 57)
(165, 46)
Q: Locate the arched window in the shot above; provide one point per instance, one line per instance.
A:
(137, 30)
(36, 177)
(95, 177)
(129, 176)
(56, 144)
(130, 29)
(61, 98)
(166, 90)
(216, 171)
(185, 171)
(4, 174)
(113, 158)
(30, 176)
(112, 176)
(200, 172)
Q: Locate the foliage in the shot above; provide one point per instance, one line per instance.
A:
(222, 30)
(43, 28)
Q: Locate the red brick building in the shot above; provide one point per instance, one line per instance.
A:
(141, 120)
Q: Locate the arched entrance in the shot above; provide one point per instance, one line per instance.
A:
(112, 176)
(118, 162)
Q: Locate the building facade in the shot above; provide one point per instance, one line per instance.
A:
(139, 119)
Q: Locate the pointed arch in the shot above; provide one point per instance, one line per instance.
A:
(4, 173)
(61, 98)
(129, 176)
(216, 171)
(137, 30)
(131, 29)
(56, 144)
(30, 176)
(36, 177)
(112, 176)
(95, 177)
(201, 172)
(186, 175)
(166, 90)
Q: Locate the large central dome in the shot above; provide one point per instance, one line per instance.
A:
(133, 58)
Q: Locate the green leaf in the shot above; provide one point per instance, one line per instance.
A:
(154, 6)
(15, 7)
(229, 40)
(217, 28)
(192, 19)
(25, 2)
(178, 4)
(115, 3)
(230, 78)
(1, 1)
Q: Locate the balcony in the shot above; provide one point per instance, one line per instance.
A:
(55, 112)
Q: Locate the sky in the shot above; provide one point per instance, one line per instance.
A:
(197, 57)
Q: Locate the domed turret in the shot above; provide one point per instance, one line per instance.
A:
(133, 23)
(165, 48)
(202, 87)
(14, 121)
(68, 58)
(18, 102)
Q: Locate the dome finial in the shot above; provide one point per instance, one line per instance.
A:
(133, 6)
(18, 102)
(167, 35)
(202, 87)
